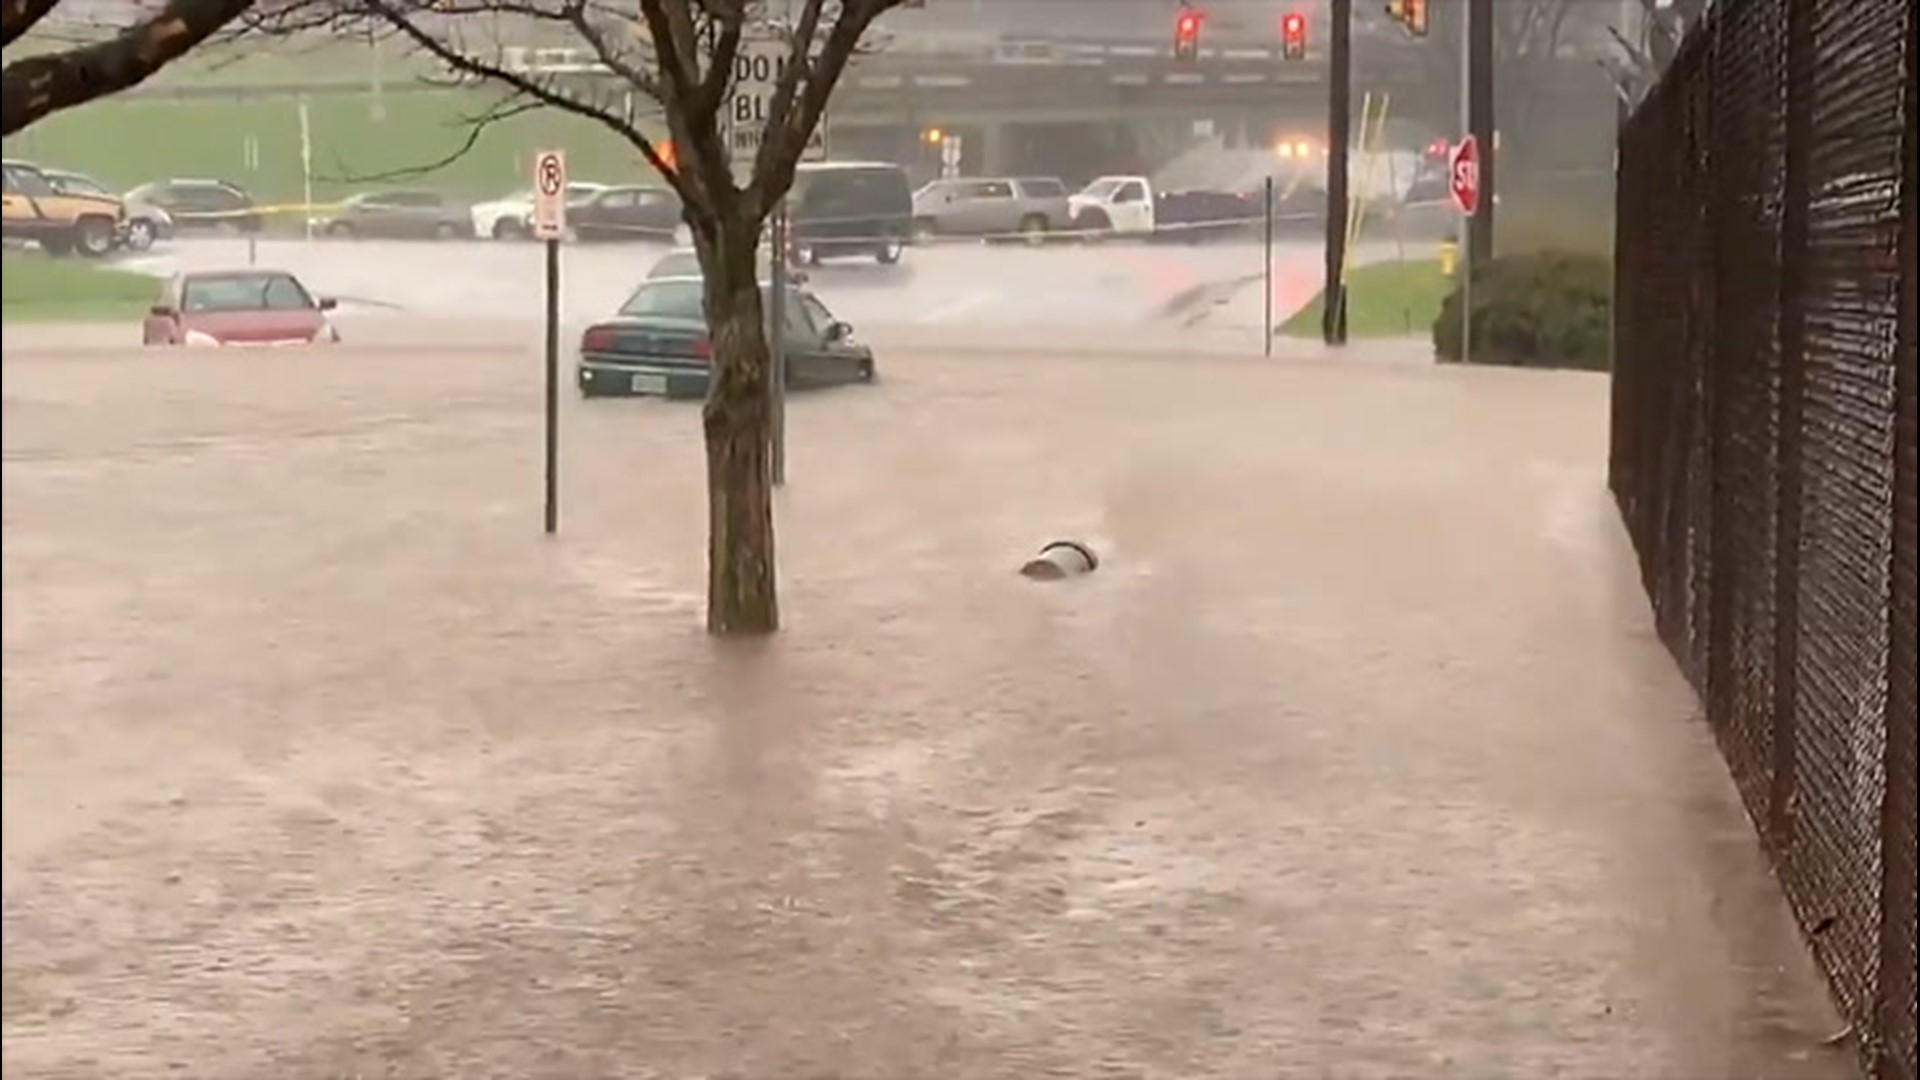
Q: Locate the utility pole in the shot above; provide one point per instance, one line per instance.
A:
(1333, 314)
(1479, 81)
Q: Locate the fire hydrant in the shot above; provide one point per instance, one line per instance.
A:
(1449, 256)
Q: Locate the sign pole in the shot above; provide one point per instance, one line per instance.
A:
(550, 225)
(1467, 254)
(552, 517)
(777, 340)
(1266, 278)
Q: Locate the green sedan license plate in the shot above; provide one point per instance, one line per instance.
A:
(648, 384)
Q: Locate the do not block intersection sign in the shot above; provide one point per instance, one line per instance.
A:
(756, 72)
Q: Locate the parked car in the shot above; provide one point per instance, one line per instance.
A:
(685, 262)
(201, 204)
(1131, 206)
(238, 307)
(1009, 206)
(628, 212)
(850, 208)
(399, 215)
(657, 345)
(145, 222)
(60, 222)
(507, 218)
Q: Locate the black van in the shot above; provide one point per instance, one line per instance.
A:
(850, 208)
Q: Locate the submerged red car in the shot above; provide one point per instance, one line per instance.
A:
(238, 307)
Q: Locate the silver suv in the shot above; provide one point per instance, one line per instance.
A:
(992, 207)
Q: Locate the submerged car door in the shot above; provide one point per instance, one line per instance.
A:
(814, 358)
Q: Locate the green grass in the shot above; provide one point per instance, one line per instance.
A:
(1392, 299)
(40, 288)
(356, 137)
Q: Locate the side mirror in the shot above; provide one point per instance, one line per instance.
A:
(161, 311)
(328, 303)
(839, 332)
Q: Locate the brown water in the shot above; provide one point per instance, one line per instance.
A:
(1356, 758)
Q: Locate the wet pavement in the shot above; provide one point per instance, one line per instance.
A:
(948, 285)
(1356, 758)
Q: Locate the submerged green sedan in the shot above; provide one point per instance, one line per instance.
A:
(657, 345)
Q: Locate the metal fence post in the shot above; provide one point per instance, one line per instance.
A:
(1794, 251)
(1894, 997)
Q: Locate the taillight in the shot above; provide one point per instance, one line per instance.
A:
(597, 339)
(703, 348)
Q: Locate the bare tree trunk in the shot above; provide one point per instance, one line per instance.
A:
(741, 594)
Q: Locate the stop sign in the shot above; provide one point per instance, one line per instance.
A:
(1463, 175)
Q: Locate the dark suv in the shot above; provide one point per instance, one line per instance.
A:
(850, 208)
(200, 204)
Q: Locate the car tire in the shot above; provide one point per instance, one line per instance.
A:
(93, 237)
(924, 230)
(1034, 228)
(888, 252)
(507, 229)
(140, 235)
(1092, 225)
(446, 230)
(342, 230)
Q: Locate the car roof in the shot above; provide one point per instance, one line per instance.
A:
(241, 273)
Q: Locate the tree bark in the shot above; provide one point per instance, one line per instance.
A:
(742, 597)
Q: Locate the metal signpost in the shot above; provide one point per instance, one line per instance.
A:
(549, 226)
(1266, 276)
(756, 72)
(1463, 184)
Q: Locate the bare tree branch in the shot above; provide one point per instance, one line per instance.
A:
(19, 16)
(525, 85)
(37, 86)
(780, 150)
(476, 125)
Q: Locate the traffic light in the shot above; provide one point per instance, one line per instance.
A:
(1293, 36)
(1186, 35)
(1411, 14)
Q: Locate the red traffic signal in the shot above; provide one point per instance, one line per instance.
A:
(1293, 35)
(1186, 35)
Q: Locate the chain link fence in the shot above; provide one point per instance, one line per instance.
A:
(1763, 448)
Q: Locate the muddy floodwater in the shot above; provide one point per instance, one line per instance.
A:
(1357, 756)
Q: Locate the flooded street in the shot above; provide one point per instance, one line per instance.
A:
(1356, 758)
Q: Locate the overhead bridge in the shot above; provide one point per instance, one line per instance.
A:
(1114, 83)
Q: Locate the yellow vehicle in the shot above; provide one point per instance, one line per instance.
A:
(61, 223)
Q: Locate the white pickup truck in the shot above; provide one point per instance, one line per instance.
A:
(1130, 206)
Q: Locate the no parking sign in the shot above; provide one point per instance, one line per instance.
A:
(550, 195)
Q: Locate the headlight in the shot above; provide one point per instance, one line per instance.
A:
(199, 338)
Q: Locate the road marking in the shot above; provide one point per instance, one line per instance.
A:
(1181, 78)
(1129, 80)
(942, 80)
(1243, 78)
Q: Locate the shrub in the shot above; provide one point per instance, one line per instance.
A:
(1545, 309)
